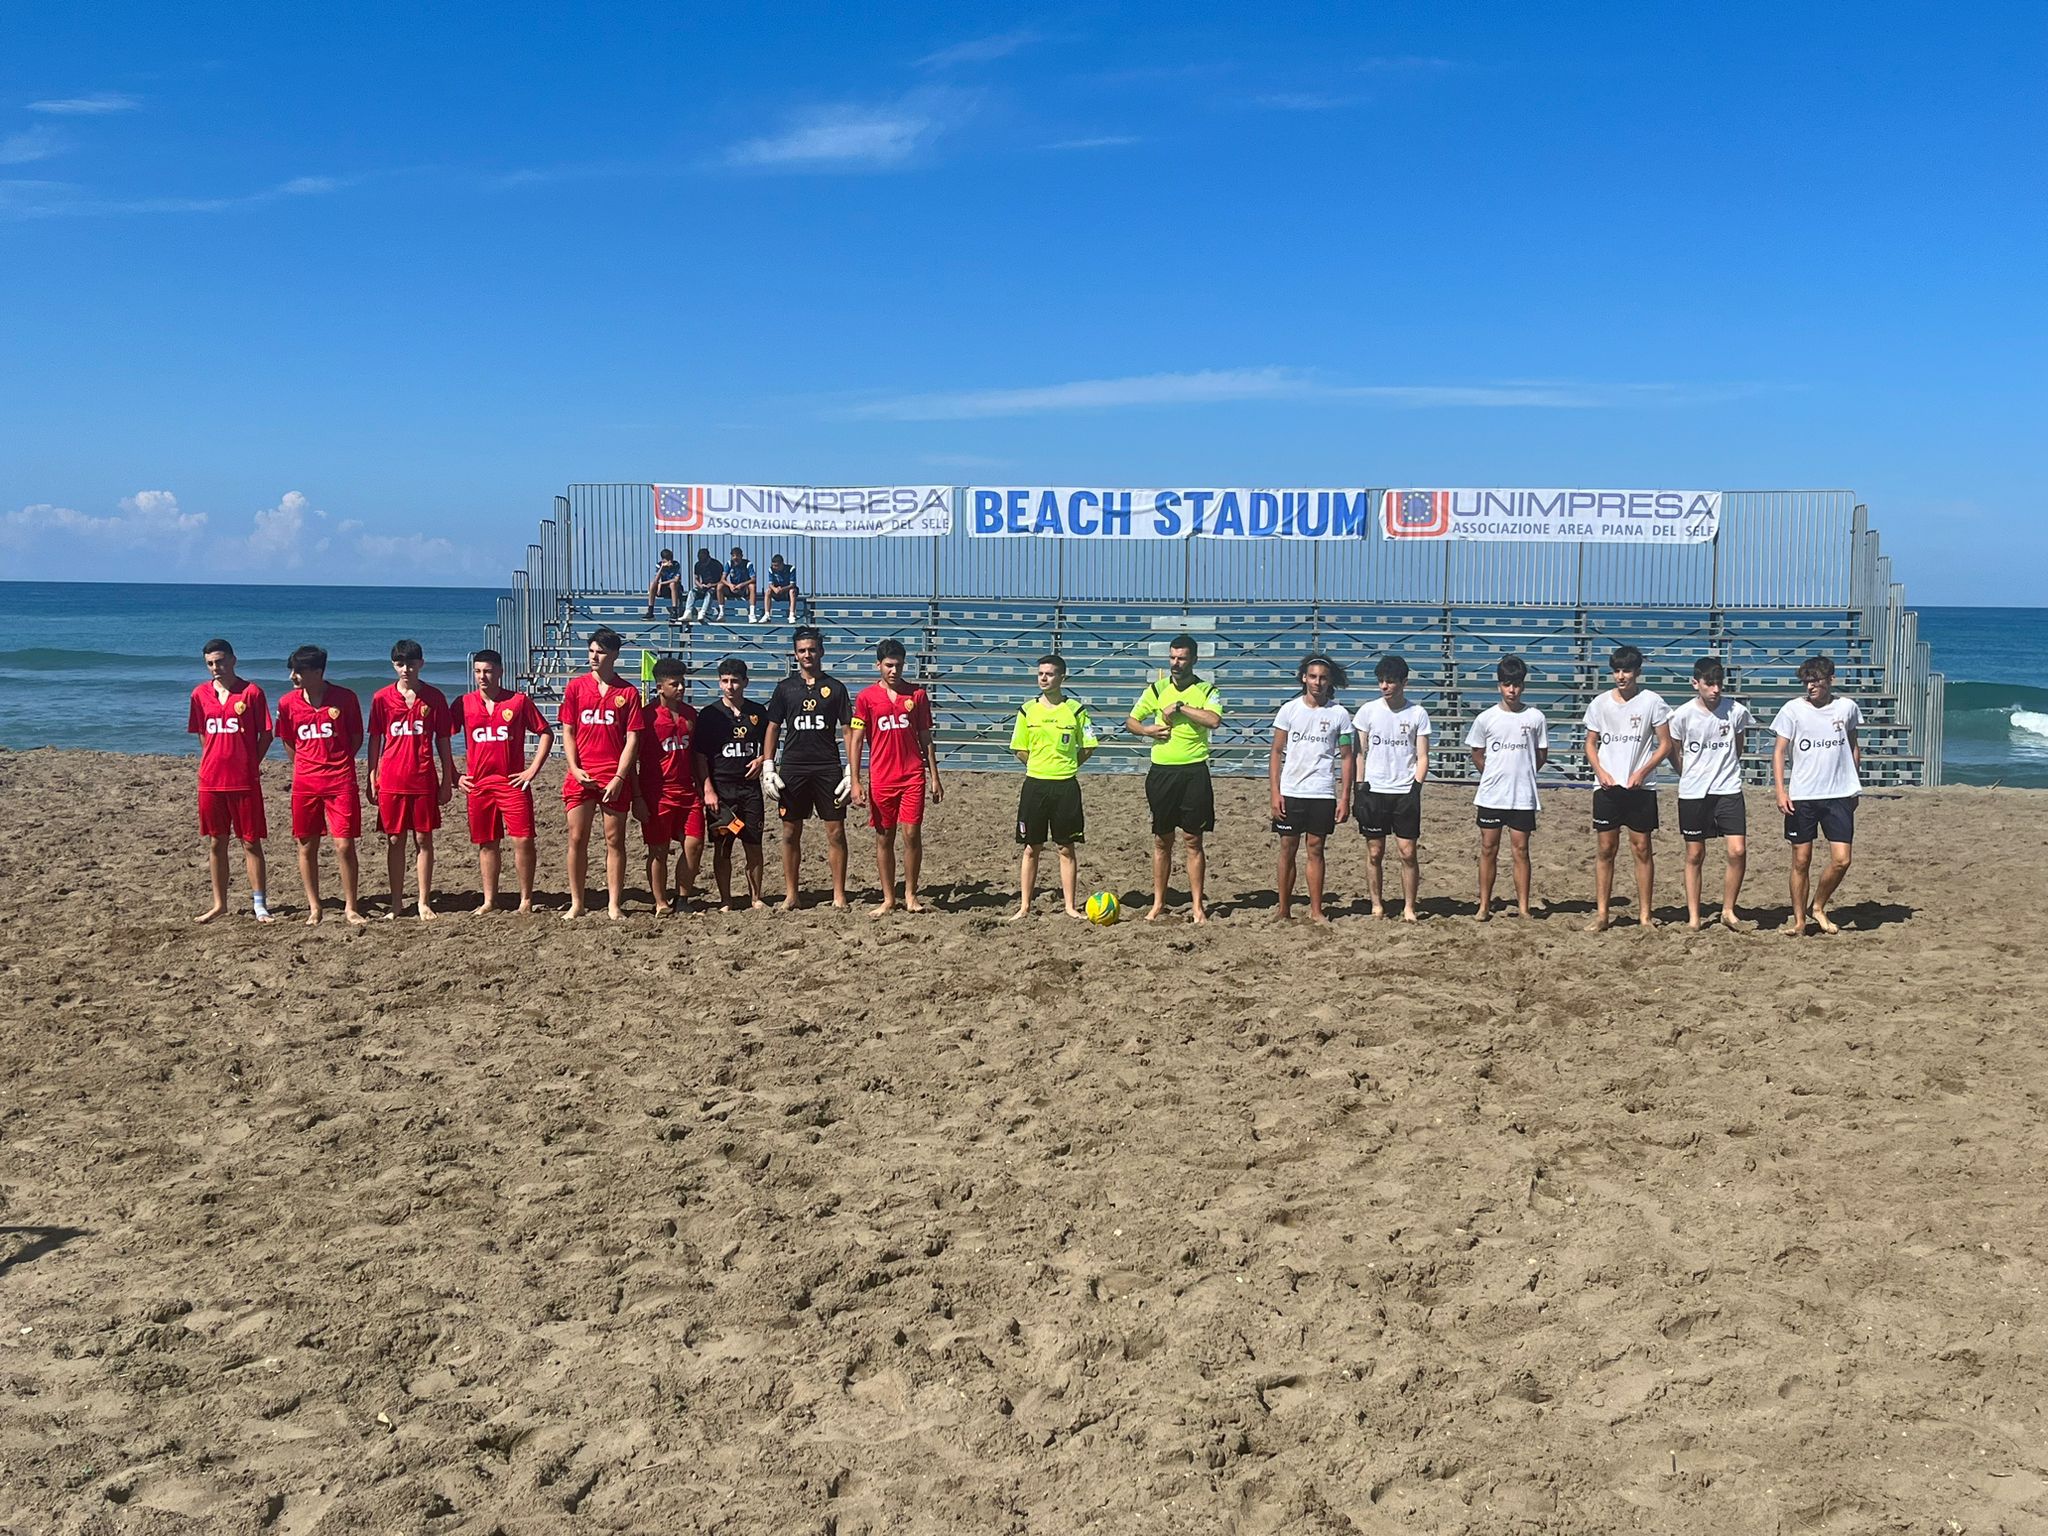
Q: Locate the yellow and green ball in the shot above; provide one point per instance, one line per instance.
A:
(1103, 908)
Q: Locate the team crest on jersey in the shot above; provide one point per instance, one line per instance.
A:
(505, 714)
(241, 706)
(619, 702)
(334, 712)
(826, 690)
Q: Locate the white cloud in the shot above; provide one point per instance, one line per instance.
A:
(1225, 385)
(1100, 141)
(36, 143)
(21, 199)
(837, 138)
(98, 104)
(1405, 63)
(980, 50)
(1305, 101)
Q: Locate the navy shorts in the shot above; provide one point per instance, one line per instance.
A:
(1834, 820)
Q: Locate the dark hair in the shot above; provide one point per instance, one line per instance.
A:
(1184, 642)
(732, 666)
(607, 639)
(1338, 677)
(670, 666)
(740, 552)
(1391, 669)
(704, 552)
(777, 560)
(407, 650)
(486, 655)
(216, 644)
(1708, 669)
(307, 658)
(1626, 658)
(1054, 659)
(1512, 669)
(890, 648)
(668, 554)
(808, 632)
(1816, 667)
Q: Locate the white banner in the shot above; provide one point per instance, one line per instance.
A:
(849, 511)
(1568, 517)
(1206, 512)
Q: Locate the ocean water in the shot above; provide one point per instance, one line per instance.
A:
(107, 665)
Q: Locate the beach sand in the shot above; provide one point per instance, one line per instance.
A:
(745, 1223)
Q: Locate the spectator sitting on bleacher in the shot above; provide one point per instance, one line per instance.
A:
(668, 578)
(738, 581)
(781, 584)
(705, 576)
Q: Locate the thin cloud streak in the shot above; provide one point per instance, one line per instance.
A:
(1305, 101)
(851, 137)
(30, 145)
(1100, 141)
(21, 199)
(1230, 385)
(98, 104)
(980, 50)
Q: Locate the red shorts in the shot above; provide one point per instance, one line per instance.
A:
(337, 811)
(499, 808)
(896, 805)
(398, 814)
(575, 792)
(233, 813)
(670, 819)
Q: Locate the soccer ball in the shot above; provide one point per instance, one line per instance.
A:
(1103, 908)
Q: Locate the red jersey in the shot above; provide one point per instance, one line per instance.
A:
(229, 730)
(894, 723)
(600, 719)
(494, 733)
(406, 733)
(664, 760)
(322, 739)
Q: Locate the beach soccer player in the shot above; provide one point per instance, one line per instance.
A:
(231, 718)
(601, 723)
(412, 771)
(781, 587)
(668, 582)
(1817, 766)
(667, 797)
(730, 745)
(1510, 741)
(738, 581)
(497, 775)
(1052, 738)
(1392, 737)
(1628, 734)
(705, 576)
(807, 715)
(1177, 713)
(1707, 740)
(321, 726)
(892, 720)
(1308, 777)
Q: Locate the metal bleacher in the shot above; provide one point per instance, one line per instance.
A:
(978, 660)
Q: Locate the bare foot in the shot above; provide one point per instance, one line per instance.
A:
(1151, 917)
(1077, 912)
(883, 909)
(488, 907)
(313, 917)
(1377, 911)
(575, 911)
(616, 914)
(1483, 915)
(912, 904)
(1284, 915)
(427, 913)
(1020, 914)
(841, 904)
(759, 905)
(1408, 915)
(1796, 927)
(788, 904)
(526, 907)
(1315, 916)
(1731, 922)
(1693, 922)
(1598, 925)
(387, 915)
(356, 919)
(1524, 913)
(210, 913)
(1646, 921)
(1823, 922)
(1201, 915)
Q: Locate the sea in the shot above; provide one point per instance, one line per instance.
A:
(109, 665)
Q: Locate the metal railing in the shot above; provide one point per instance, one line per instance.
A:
(1776, 551)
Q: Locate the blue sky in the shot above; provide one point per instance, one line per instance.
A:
(349, 294)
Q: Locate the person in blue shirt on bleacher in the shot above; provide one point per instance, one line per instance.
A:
(738, 581)
(781, 586)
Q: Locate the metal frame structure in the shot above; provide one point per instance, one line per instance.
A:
(1790, 572)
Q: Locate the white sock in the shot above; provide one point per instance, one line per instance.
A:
(258, 904)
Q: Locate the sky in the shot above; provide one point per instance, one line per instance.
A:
(348, 293)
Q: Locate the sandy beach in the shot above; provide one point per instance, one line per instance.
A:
(739, 1223)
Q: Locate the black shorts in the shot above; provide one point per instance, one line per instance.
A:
(1635, 809)
(1050, 808)
(1398, 814)
(1712, 816)
(1491, 817)
(1181, 797)
(1834, 820)
(741, 799)
(1306, 818)
(808, 792)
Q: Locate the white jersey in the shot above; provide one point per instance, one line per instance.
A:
(1628, 730)
(1511, 740)
(1314, 756)
(1821, 766)
(1711, 740)
(1388, 740)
